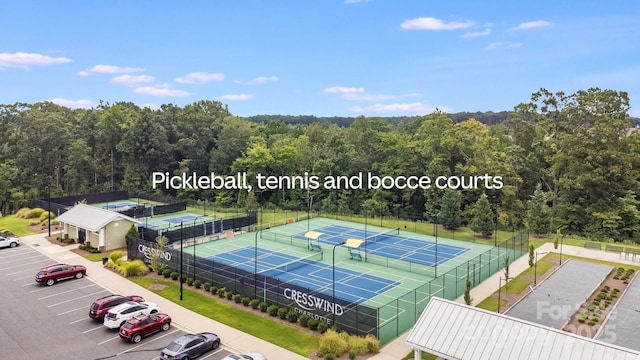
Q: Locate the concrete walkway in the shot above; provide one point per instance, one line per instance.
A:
(237, 341)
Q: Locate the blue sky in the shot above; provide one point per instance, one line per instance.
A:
(317, 57)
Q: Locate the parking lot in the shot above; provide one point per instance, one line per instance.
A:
(51, 322)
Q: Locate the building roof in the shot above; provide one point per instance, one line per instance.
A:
(91, 218)
(457, 331)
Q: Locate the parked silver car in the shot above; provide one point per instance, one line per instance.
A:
(8, 240)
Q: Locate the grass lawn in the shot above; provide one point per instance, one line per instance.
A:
(15, 225)
(278, 334)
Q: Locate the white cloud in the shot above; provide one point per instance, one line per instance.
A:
(414, 108)
(236, 97)
(476, 34)
(343, 90)
(73, 104)
(161, 90)
(429, 23)
(25, 60)
(376, 97)
(531, 25)
(257, 80)
(200, 78)
(132, 80)
(503, 45)
(109, 69)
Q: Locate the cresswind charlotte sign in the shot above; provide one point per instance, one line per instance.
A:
(310, 302)
(149, 252)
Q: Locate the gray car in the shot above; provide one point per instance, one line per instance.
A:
(8, 240)
(190, 346)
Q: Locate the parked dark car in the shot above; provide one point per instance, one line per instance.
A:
(99, 308)
(53, 273)
(144, 325)
(190, 346)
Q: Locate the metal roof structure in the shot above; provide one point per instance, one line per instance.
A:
(91, 218)
(457, 331)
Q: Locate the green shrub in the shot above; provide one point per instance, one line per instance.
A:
(323, 327)
(254, 303)
(273, 310)
(21, 213)
(221, 292)
(189, 281)
(581, 320)
(34, 213)
(373, 344)
(214, 290)
(263, 306)
(174, 275)
(229, 295)
(166, 273)
(591, 323)
(133, 268)
(313, 324)
(44, 217)
(357, 346)
(282, 313)
(184, 278)
(246, 300)
(332, 344)
(304, 320)
(116, 255)
(206, 286)
(293, 316)
(237, 298)
(197, 284)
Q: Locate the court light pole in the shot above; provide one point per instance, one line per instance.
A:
(333, 282)
(194, 244)
(181, 267)
(364, 206)
(49, 209)
(435, 232)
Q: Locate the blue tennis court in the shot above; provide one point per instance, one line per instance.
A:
(182, 218)
(390, 244)
(118, 205)
(350, 286)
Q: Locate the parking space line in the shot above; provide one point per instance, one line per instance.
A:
(79, 320)
(24, 277)
(147, 342)
(21, 264)
(106, 341)
(72, 310)
(79, 297)
(68, 291)
(95, 328)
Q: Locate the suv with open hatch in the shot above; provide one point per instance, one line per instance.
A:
(53, 273)
(99, 308)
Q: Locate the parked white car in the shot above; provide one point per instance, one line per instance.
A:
(118, 315)
(8, 240)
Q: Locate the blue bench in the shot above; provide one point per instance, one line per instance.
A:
(355, 255)
(315, 247)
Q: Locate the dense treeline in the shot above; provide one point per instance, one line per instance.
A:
(568, 162)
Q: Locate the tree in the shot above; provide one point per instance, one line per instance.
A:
(532, 254)
(156, 259)
(483, 218)
(450, 213)
(467, 293)
(506, 267)
(538, 213)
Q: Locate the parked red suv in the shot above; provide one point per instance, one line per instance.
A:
(143, 325)
(101, 306)
(51, 274)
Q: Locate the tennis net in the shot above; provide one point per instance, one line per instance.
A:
(388, 235)
(293, 265)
